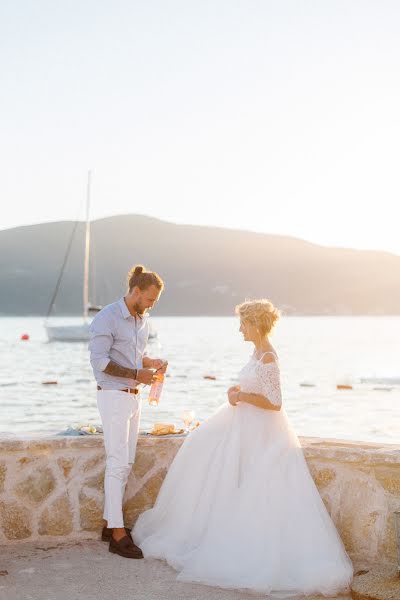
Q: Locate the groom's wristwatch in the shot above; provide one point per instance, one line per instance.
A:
(135, 372)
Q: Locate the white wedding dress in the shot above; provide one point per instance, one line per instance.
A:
(239, 508)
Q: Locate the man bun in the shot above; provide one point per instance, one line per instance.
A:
(138, 269)
(139, 277)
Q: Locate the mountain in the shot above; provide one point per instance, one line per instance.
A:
(207, 270)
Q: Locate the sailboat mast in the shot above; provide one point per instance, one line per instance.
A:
(87, 251)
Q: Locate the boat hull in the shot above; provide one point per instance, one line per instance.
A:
(68, 333)
(77, 333)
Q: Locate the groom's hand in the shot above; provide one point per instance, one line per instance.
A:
(146, 376)
(160, 365)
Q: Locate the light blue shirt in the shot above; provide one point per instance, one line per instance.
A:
(117, 335)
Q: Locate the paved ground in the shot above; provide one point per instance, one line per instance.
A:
(87, 571)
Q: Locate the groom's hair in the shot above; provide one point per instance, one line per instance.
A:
(139, 277)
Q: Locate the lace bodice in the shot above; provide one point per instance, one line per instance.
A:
(257, 377)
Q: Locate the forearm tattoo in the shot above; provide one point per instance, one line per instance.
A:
(114, 369)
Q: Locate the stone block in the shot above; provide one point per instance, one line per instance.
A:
(15, 520)
(93, 462)
(66, 465)
(91, 512)
(37, 486)
(96, 482)
(56, 519)
(144, 498)
(379, 583)
(322, 477)
(389, 478)
(144, 461)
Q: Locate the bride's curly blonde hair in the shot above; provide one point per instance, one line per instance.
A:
(261, 313)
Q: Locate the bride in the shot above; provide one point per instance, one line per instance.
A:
(238, 507)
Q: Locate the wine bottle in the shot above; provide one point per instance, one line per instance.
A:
(156, 389)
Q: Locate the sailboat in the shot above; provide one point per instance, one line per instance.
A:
(80, 331)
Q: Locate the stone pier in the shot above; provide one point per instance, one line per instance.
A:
(52, 489)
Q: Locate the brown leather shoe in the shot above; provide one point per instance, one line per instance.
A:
(106, 534)
(125, 547)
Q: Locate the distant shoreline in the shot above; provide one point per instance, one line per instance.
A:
(207, 270)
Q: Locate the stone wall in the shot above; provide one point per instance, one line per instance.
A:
(53, 488)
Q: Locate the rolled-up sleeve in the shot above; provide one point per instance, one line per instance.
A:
(101, 340)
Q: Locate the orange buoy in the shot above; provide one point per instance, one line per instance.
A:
(49, 382)
(342, 386)
(24, 336)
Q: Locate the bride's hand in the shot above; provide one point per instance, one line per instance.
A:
(233, 394)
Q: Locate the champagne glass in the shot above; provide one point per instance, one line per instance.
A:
(187, 417)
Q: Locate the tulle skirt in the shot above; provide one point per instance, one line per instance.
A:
(239, 509)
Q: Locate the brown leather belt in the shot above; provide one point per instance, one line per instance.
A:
(128, 390)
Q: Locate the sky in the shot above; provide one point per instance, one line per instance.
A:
(273, 116)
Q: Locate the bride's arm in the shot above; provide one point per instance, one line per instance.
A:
(269, 380)
(254, 399)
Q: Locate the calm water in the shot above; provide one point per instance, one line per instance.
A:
(323, 351)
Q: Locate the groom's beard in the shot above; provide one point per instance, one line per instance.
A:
(139, 309)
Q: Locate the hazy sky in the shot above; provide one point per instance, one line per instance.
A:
(274, 116)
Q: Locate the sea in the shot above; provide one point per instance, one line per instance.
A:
(46, 388)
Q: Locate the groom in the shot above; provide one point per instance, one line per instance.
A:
(118, 340)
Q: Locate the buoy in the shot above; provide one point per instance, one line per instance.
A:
(49, 382)
(24, 336)
(342, 386)
(212, 377)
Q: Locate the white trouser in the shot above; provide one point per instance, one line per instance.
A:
(120, 416)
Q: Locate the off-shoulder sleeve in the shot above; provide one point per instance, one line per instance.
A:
(270, 382)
